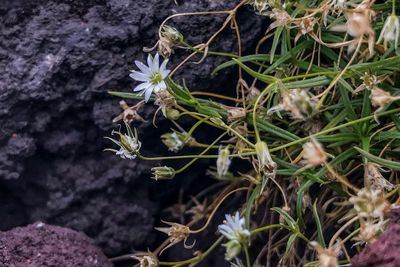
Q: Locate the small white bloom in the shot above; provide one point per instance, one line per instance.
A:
(223, 161)
(129, 147)
(151, 76)
(173, 141)
(390, 31)
(234, 228)
(339, 3)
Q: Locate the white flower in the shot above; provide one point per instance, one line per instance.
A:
(234, 228)
(223, 161)
(129, 147)
(339, 3)
(390, 31)
(151, 76)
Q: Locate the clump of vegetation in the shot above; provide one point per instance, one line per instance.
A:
(316, 122)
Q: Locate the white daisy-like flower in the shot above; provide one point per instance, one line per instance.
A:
(234, 228)
(151, 76)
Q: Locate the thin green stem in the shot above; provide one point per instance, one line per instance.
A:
(186, 45)
(194, 259)
(264, 92)
(246, 253)
(191, 131)
(201, 154)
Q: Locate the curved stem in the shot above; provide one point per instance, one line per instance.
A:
(194, 259)
(215, 210)
(201, 154)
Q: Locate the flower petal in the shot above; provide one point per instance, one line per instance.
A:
(142, 86)
(143, 68)
(150, 62)
(156, 63)
(139, 76)
(147, 93)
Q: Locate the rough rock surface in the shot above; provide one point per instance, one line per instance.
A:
(42, 245)
(385, 251)
(58, 59)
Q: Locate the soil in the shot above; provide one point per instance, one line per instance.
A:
(42, 245)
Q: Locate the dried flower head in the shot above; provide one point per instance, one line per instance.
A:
(146, 259)
(166, 103)
(235, 113)
(177, 233)
(281, 18)
(369, 231)
(359, 25)
(376, 179)
(260, 5)
(129, 114)
(380, 98)
(169, 38)
(306, 25)
(370, 204)
(223, 161)
(151, 76)
(327, 257)
(370, 82)
(390, 31)
(313, 154)
(298, 103)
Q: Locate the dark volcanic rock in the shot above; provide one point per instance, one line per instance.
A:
(41, 245)
(58, 59)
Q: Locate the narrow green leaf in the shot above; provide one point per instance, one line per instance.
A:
(393, 165)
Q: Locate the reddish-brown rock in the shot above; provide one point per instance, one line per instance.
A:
(42, 245)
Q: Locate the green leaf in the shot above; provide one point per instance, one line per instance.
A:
(250, 203)
(393, 165)
(320, 233)
(262, 77)
(288, 219)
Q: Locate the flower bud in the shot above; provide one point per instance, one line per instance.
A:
(171, 34)
(172, 114)
(163, 173)
(233, 249)
(265, 161)
(223, 161)
(174, 141)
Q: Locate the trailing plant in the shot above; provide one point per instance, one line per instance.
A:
(314, 122)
